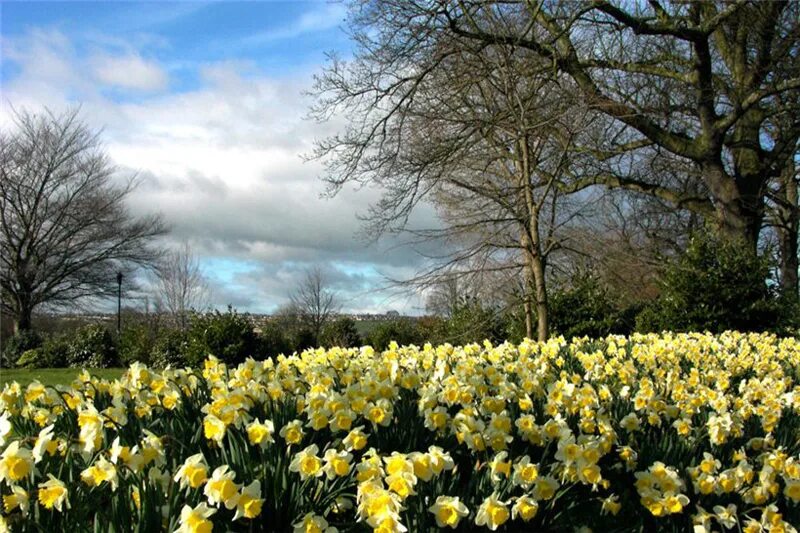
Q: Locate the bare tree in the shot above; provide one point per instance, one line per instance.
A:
(181, 286)
(443, 297)
(65, 231)
(313, 302)
(482, 132)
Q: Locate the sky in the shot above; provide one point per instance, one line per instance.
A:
(206, 103)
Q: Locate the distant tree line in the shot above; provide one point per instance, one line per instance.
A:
(714, 286)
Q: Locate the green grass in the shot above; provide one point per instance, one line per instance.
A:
(53, 376)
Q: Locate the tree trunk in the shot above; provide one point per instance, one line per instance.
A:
(526, 305)
(542, 311)
(532, 242)
(788, 229)
(738, 202)
(23, 318)
(535, 286)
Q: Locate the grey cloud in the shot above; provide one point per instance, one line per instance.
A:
(194, 181)
(270, 224)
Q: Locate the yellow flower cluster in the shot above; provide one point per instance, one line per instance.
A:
(672, 431)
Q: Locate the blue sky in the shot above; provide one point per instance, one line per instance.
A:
(275, 38)
(205, 102)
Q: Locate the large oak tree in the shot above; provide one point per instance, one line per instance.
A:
(702, 80)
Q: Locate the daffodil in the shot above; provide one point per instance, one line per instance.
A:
(448, 511)
(5, 427)
(792, 490)
(91, 427)
(193, 473)
(18, 499)
(53, 494)
(492, 513)
(337, 464)
(249, 503)
(376, 504)
(44, 443)
(611, 505)
(307, 463)
(355, 440)
(524, 508)
(214, 429)
(16, 463)
(402, 484)
(313, 523)
(726, 516)
(370, 467)
(398, 463)
(544, 488)
(260, 433)
(525, 472)
(196, 519)
(499, 467)
(292, 432)
(221, 489)
(439, 460)
(102, 471)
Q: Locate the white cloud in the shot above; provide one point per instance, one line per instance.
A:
(46, 61)
(128, 72)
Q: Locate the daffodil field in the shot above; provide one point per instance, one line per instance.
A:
(669, 432)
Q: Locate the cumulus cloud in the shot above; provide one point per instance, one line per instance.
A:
(128, 72)
(46, 61)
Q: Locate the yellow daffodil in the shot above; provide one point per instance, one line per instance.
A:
(448, 511)
(196, 519)
(249, 503)
(337, 464)
(524, 508)
(307, 463)
(260, 433)
(44, 444)
(18, 499)
(292, 432)
(221, 489)
(53, 494)
(312, 523)
(214, 428)
(193, 473)
(492, 513)
(16, 463)
(102, 471)
(355, 440)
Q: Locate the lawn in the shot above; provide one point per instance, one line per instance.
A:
(53, 376)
